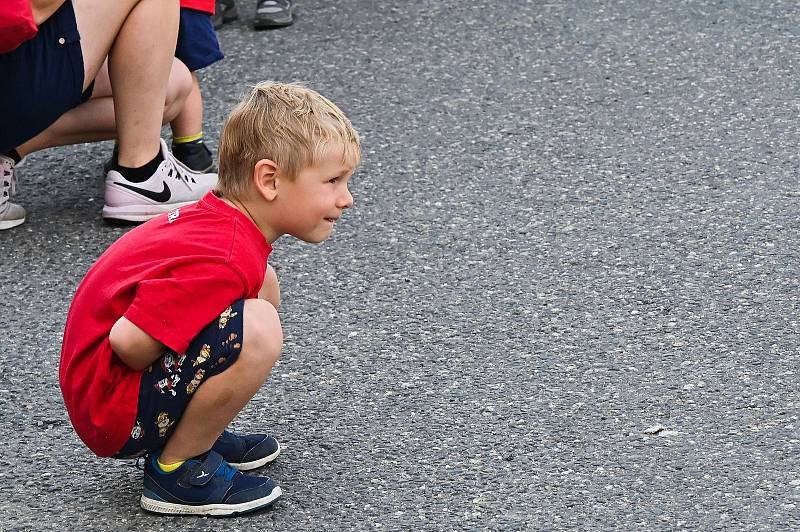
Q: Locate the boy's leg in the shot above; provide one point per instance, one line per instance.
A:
(189, 121)
(220, 398)
(187, 400)
(188, 141)
(271, 289)
(197, 48)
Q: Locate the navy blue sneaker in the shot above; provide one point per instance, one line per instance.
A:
(247, 452)
(205, 486)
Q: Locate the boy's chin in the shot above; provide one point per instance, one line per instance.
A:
(314, 239)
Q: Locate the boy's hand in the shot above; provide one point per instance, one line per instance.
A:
(133, 346)
(271, 290)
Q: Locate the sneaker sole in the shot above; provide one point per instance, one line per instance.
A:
(230, 15)
(247, 466)
(8, 224)
(271, 24)
(162, 507)
(140, 213)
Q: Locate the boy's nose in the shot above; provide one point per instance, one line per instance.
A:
(346, 201)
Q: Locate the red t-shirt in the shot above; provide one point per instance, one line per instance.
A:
(200, 5)
(171, 277)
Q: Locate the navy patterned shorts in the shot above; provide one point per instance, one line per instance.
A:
(168, 384)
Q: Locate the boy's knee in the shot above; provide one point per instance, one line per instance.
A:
(178, 88)
(263, 334)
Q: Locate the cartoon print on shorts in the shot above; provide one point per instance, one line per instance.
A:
(170, 363)
(192, 386)
(226, 315)
(167, 384)
(163, 423)
(231, 338)
(137, 431)
(205, 352)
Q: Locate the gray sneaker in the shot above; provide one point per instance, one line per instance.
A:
(273, 14)
(11, 214)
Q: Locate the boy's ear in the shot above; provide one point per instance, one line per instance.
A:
(265, 178)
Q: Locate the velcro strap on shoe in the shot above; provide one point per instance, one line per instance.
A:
(203, 474)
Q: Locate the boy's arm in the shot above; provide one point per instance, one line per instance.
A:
(271, 290)
(133, 346)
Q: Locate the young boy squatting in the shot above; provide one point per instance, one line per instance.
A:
(175, 328)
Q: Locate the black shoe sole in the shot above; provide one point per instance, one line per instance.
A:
(230, 15)
(114, 222)
(266, 23)
(270, 25)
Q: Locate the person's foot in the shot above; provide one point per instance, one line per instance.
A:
(273, 14)
(247, 452)
(172, 185)
(206, 485)
(224, 11)
(195, 155)
(11, 214)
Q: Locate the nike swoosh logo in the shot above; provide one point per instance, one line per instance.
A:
(161, 197)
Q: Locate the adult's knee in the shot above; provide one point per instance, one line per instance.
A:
(263, 334)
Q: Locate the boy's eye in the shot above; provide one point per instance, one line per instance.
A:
(334, 179)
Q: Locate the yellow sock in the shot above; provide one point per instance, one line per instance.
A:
(188, 138)
(169, 468)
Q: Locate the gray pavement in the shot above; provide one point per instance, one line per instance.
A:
(567, 296)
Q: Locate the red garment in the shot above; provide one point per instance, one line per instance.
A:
(170, 277)
(200, 5)
(16, 24)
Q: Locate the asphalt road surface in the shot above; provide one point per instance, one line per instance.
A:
(567, 295)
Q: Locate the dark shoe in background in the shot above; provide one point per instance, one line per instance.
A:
(273, 14)
(194, 155)
(224, 13)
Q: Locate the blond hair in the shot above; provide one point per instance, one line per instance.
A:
(287, 123)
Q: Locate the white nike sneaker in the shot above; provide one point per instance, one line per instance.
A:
(172, 185)
(11, 214)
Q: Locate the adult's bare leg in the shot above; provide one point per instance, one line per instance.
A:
(138, 36)
(94, 120)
